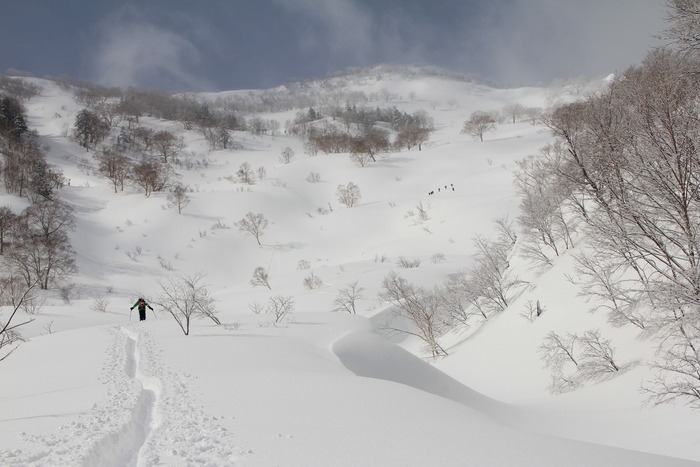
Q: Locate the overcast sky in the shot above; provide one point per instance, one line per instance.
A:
(242, 44)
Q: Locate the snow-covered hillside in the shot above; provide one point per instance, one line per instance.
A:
(320, 388)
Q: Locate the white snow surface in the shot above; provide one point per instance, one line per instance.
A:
(321, 388)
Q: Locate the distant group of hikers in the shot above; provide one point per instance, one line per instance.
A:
(433, 192)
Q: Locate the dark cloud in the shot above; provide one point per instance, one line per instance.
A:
(234, 44)
(131, 50)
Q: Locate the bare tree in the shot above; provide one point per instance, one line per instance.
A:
(490, 279)
(42, 252)
(412, 135)
(254, 224)
(629, 151)
(167, 145)
(419, 305)
(152, 176)
(513, 111)
(603, 279)
(115, 166)
(349, 195)
(591, 355)
(372, 142)
(110, 113)
(312, 282)
(280, 306)
(177, 198)
(12, 293)
(245, 174)
(543, 217)
(185, 297)
(287, 155)
(597, 356)
(348, 297)
(261, 277)
(8, 220)
(677, 366)
(462, 299)
(684, 17)
(145, 136)
(557, 352)
(223, 136)
(21, 156)
(479, 123)
(507, 233)
(313, 177)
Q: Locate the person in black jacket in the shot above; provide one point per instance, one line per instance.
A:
(141, 303)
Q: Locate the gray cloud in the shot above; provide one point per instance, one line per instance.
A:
(536, 40)
(132, 50)
(343, 27)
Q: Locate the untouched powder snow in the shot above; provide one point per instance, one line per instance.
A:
(319, 388)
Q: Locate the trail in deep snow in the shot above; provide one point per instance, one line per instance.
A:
(149, 417)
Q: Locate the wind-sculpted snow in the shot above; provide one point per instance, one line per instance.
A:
(149, 417)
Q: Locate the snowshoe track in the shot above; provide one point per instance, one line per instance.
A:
(149, 417)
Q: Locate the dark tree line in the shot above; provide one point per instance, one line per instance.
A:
(25, 171)
(34, 243)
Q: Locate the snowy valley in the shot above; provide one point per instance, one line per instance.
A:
(312, 385)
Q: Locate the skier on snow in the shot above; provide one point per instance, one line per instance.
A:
(141, 303)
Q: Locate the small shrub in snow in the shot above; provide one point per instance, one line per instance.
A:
(349, 195)
(256, 307)
(303, 264)
(313, 177)
(234, 326)
(437, 258)
(287, 155)
(219, 225)
(260, 278)
(532, 310)
(177, 198)
(245, 174)
(100, 303)
(312, 282)
(402, 262)
(165, 264)
(66, 292)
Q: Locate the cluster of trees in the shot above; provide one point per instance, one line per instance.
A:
(625, 170)
(34, 244)
(361, 133)
(18, 88)
(25, 171)
(473, 294)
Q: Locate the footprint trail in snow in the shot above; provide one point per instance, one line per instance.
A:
(149, 417)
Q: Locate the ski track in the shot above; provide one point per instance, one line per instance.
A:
(149, 417)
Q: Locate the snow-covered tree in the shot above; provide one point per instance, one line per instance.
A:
(349, 194)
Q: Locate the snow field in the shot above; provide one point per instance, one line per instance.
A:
(319, 389)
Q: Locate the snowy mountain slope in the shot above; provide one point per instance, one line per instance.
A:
(324, 388)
